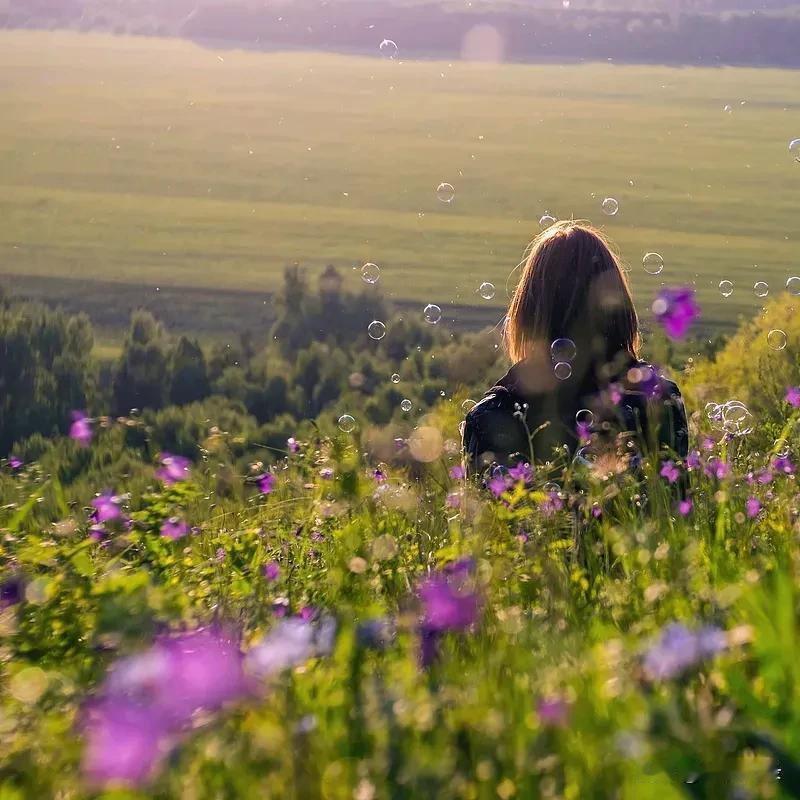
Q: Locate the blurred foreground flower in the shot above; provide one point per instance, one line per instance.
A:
(753, 506)
(106, 508)
(678, 649)
(676, 310)
(670, 472)
(290, 643)
(793, 396)
(14, 463)
(173, 468)
(174, 528)
(81, 429)
(553, 711)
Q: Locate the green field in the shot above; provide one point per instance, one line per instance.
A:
(129, 164)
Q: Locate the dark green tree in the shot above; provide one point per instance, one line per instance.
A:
(188, 373)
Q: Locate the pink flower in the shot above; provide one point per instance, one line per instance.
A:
(685, 507)
(709, 443)
(447, 605)
(793, 396)
(81, 429)
(670, 471)
(174, 528)
(457, 472)
(521, 472)
(717, 468)
(498, 484)
(553, 711)
(753, 506)
(14, 463)
(676, 310)
(266, 483)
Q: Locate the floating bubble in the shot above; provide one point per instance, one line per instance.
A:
(793, 285)
(406, 405)
(468, 405)
(376, 330)
(388, 48)
(610, 206)
(736, 418)
(562, 370)
(546, 220)
(445, 192)
(395, 378)
(794, 149)
(781, 448)
(346, 423)
(370, 273)
(653, 263)
(726, 288)
(432, 314)
(486, 290)
(761, 289)
(552, 487)
(776, 339)
(584, 417)
(713, 411)
(728, 109)
(563, 350)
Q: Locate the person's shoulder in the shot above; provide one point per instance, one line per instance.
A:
(497, 399)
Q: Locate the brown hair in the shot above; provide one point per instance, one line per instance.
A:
(573, 286)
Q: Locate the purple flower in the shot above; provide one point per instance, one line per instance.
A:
(693, 460)
(717, 468)
(174, 528)
(678, 649)
(685, 507)
(457, 473)
(498, 484)
(220, 555)
(380, 476)
(615, 391)
(551, 504)
(81, 429)
(793, 396)
(326, 473)
(106, 508)
(783, 464)
(173, 468)
(553, 711)
(709, 443)
(266, 483)
(670, 472)
(521, 472)
(765, 477)
(453, 500)
(12, 590)
(447, 604)
(584, 431)
(753, 506)
(272, 571)
(292, 444)
(676, 309)
(14, 463)
(597, 510)
(97, 532)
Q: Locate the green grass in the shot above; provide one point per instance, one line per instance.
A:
(159, 163)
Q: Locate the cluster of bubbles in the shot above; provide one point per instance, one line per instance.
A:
(562, 353)
(486, 290)
(653, 263)
(760, 289)
(610, 206)
(733, 417)
(370, 273)
(388, 48)
(347, 423)
(432, 314)
(376, 330)
(445, 192)
(776, 339)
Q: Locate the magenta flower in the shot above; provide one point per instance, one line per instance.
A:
(106, 508)
(693, 460)
(266, 483)
(597, 510)
(498, 484)
(551, 504)
(783, 464)
(793, 396)
(380, 476)
(753, 506)
(272, 571)
(292, 445)
(685, 507)
(14, 463)
(81, 429)
(173, 468)
(584, 431)
(676, 309)
(615, 391)
(717, 468)
(174, 528)
(521, 472)
(553, 711)
(765, 477)
(709, 443)
(670, 472)
(447, 605)
(457, 473)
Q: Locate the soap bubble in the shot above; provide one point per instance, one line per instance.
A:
(562, 370)
(794, 149)
(376, 330)
(445, 192)
(395, 378)
(486, 290)
(761, 289)
(737, 419)
(432, 314)
(776, 339)
(546, 221)
(370, 273)
(781, 448)
(610, 206)
(563, 350)
(346, 423)
(793, 285)
(713, 411)
(468, 405)
(584, 417)
(726, 288)
(653, 263)
(406, 405)
(728, 109)
(388, 48)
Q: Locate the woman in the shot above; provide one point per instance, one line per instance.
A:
(577, 386)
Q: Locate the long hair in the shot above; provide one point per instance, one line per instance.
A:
(572, 287)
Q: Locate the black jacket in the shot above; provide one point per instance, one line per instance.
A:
(530, 416)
